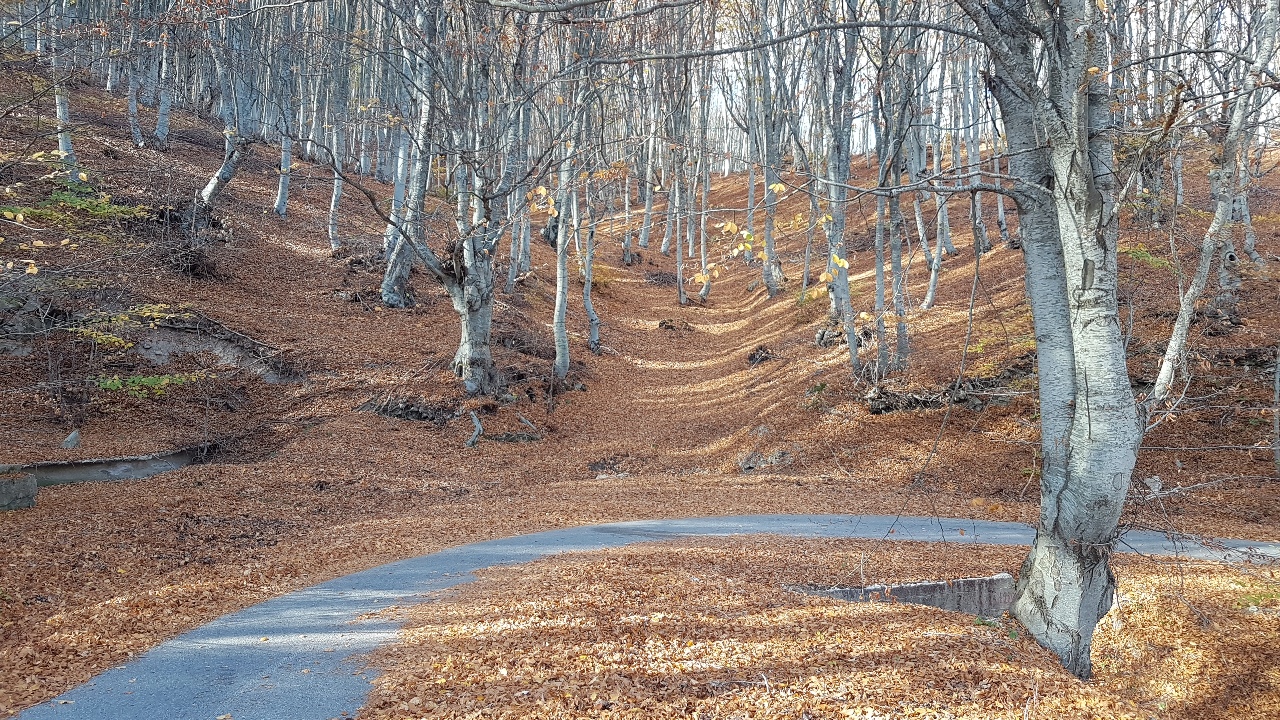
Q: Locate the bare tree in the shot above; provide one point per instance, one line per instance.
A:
(1056, 106)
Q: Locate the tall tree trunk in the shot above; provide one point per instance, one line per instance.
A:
(131, 96)
(403, 147)
(593, 320)
(559, 321)
(62, 104)
(1058, 123)
(286, 174)
(897, 230)
(408, 235)
(626, 215)
(165, 107)
(882, 340)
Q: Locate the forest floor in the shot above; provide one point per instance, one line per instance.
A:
(722, 407)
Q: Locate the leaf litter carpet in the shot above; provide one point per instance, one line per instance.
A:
(662, 424)
(705, 629)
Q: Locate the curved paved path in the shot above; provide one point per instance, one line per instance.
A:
(226, 667)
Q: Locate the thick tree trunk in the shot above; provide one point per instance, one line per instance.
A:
(1058, 126)
(395, 280)
(1064, 589)
(473, 362)
(1083, 512)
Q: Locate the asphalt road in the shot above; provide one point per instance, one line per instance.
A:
(297, 657)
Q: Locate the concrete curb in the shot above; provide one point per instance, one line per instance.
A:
(297, 657)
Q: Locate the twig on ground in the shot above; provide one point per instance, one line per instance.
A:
(475, 436)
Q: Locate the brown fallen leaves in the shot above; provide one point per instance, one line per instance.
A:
(703, 629)
(317, 488)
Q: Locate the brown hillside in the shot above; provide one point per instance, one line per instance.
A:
(304, 485)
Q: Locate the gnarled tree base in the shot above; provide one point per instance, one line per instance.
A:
(474, 361)
(1064, 589)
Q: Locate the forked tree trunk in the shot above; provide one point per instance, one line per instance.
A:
(407, 234)
(1060, 150)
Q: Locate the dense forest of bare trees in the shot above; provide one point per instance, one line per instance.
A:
(599, 126)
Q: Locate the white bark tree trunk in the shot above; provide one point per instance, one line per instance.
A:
(1059, 124)
(286, 173)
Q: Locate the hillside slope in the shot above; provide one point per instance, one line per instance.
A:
(672, 419)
